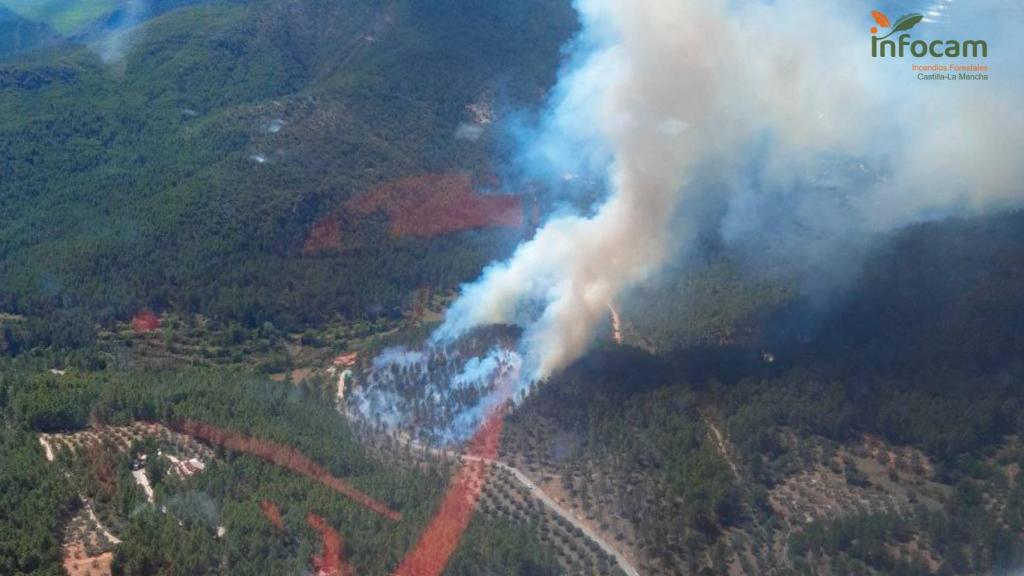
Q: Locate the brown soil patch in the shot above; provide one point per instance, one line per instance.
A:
(297, 375)
(325, 235)
(76, 563)
(103, 468)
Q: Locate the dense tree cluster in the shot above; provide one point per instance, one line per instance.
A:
(923, 351)
(163, 185)
(183, 540)
(35, 500)
(190, 179)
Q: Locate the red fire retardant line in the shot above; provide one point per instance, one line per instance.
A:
(286, 457)
(332, 561)
(273, 513)
(438, 543)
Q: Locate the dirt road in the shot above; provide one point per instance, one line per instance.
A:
(555, 507)
(534, 490)
(722, 449)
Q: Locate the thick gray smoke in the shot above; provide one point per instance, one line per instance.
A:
(775, 111)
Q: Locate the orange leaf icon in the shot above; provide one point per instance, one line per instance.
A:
(882, 19)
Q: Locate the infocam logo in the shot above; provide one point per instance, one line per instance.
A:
(881, 47)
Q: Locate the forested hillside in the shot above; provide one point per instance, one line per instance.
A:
(208, 241)
(190, 175)
(19, 34)
(877, 434)
(186, 177)
(210, 520)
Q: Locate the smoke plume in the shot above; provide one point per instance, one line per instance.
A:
(774, 112)
(122, 31)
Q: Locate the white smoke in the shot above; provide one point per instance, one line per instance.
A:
(114, 44)
(777, 111)
(436, 395)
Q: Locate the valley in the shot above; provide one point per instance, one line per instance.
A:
(457, 288)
